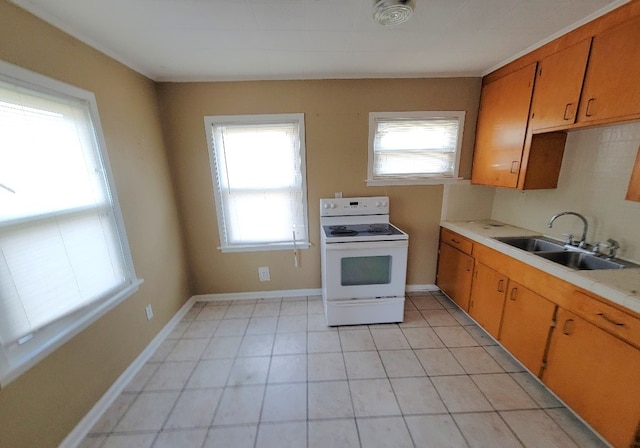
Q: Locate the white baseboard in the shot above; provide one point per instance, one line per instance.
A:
(287, 293)
(77, 435)
(259, 295)
(417, 288)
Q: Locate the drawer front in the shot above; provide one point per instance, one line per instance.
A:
(616, 322)
(457, 241)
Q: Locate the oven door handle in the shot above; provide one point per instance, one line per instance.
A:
(367, 245)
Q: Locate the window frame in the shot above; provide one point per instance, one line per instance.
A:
(17, 358)
(375, 117)
(257, 119)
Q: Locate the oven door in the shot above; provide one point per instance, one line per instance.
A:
(364, 269)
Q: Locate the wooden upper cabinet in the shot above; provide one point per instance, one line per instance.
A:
(611, 90)
(558, 86)
(633, 192)
(502, 128)
(526, 323)
(597, 375)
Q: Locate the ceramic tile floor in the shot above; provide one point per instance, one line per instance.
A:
(269, 373)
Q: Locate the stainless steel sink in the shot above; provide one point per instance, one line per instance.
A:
(532, 244)
(565, 255)
(581, 261)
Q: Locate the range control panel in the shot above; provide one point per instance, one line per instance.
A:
(375, 205)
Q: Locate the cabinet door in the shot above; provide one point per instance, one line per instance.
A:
(633, 192)
(597, 375)
(526, 322)
(487, 298)
(502, 127)
(455, 271)
(611, 90)
(558, 86)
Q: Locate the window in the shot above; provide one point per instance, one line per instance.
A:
(414, 148)
(258, 171)
(64, 257)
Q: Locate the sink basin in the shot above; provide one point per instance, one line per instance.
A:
(581, 261)
(564, 255)
(532, 243)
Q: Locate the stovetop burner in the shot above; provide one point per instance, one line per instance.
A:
(342, 230)
(380, 229)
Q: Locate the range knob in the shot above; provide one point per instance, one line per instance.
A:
(326, 206)
(333, 205)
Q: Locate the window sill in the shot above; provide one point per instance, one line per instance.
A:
(264, 247)
(414, 181)
(16, 360)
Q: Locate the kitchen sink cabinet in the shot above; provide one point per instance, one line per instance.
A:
(502, 127)
(526, 324)
(597, 375)
(488, 291)
(584, 348)
(558, 86)
(611, 92)
(455, 270)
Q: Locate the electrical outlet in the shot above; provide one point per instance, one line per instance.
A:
(263, 274)
(149, 310)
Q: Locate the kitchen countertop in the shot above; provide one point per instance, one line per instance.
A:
(621, 286)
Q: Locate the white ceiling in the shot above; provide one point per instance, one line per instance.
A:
(215, 40)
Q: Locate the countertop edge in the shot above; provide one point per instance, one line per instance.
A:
(484, 232)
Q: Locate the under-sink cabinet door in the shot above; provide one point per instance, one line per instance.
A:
(455, 271)
(597, 375)
(487, 298)
(526, 323)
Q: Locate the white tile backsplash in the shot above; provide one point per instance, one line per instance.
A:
(593, 181)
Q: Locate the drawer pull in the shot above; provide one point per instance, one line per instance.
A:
(513, 294)
(567, 328)
(453, 240)
(500, 285)
(611, 321)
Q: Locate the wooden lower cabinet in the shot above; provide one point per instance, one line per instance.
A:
(526, 323)
(487, 297)
(455, 271)
(597, 375)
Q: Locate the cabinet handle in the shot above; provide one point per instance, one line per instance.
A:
(512, 296)
(566, 110)
(589, 103)
(611, 321)
(568, 327)
(514, 167)
(500, 285)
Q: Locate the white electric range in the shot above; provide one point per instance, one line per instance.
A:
(364, 262)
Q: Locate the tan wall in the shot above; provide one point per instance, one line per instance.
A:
(39, 408)
(595, 174)
(336, 120)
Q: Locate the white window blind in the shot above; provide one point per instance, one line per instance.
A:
(413, 147)
(62, 247)
(259, 180)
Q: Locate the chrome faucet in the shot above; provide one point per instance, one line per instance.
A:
(583, 240)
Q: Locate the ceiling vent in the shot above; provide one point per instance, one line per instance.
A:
(392, 12)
